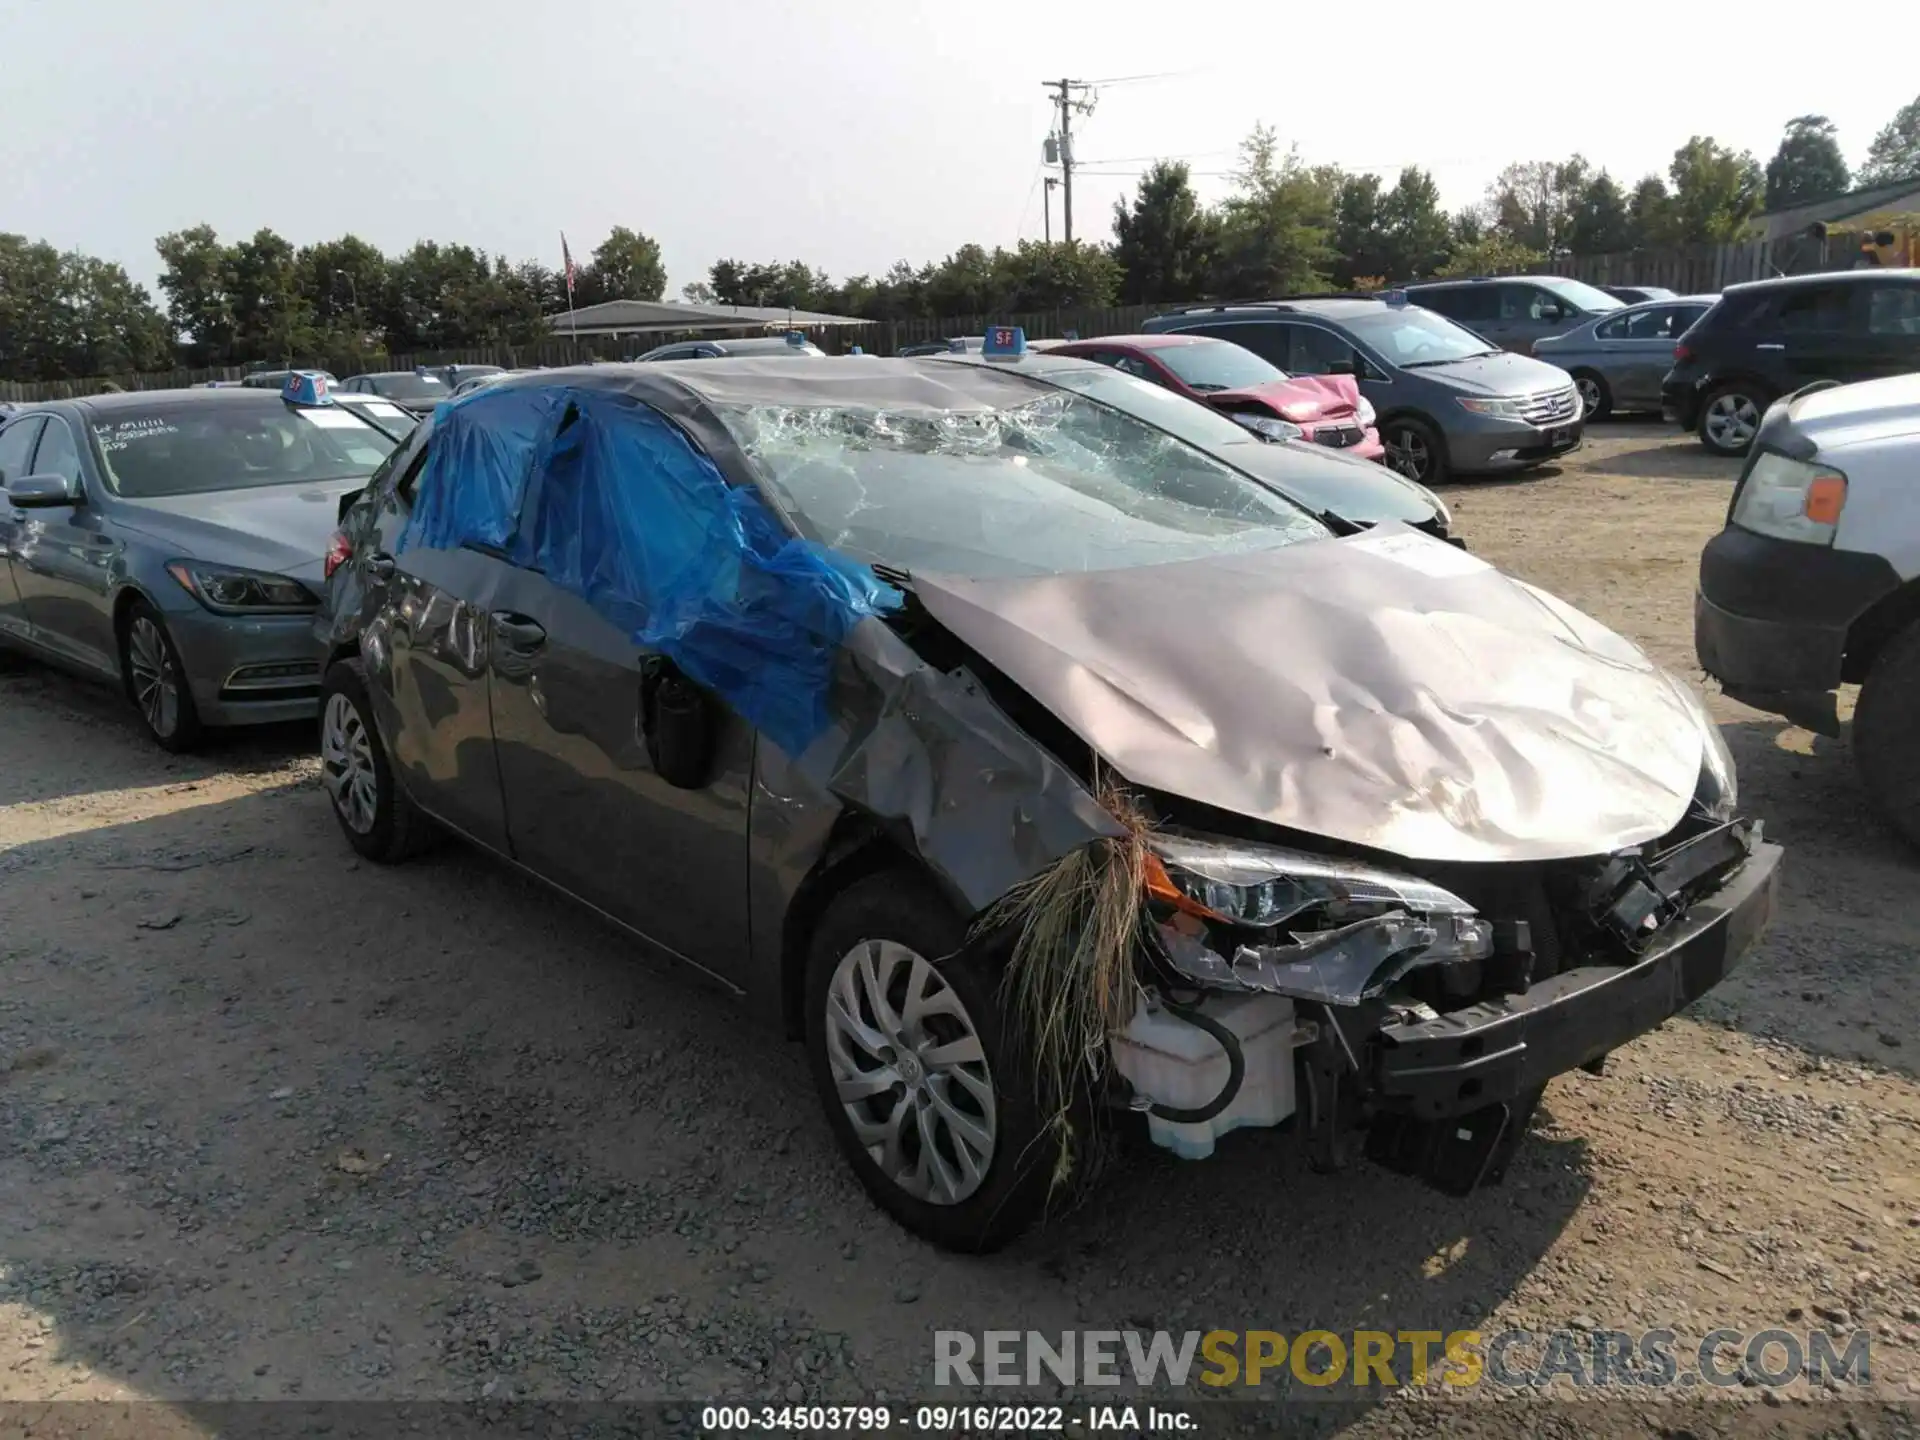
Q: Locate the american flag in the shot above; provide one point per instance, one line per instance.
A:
(566, 260)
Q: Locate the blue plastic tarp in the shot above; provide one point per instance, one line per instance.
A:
(614, 504)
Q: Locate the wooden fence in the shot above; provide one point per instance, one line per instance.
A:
(1690, 270)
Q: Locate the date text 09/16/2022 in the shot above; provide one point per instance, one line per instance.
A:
(944, 1419)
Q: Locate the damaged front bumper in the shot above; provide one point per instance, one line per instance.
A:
(1444, 1094)
(1504, 1048)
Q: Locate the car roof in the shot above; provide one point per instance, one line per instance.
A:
(1824, 277)
(1331, 307)
(1159, 340)
(199, 395)
(397, 374)
(826, 381)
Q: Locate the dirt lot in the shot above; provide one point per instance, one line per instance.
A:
(277, 1123)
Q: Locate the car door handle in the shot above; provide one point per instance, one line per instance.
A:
(517, 631)
(380, 565)
(1770, 346)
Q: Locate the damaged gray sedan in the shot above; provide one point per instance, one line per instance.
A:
(1039, 772)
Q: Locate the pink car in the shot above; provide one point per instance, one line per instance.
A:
(1326, 409)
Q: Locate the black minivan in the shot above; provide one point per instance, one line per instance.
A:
(1770, 338)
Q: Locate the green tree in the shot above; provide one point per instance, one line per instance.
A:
(1415, 238)
(345, 284)
(1036, 275)
(967, 282)
(1716, 191)
(1600, 223)
(1895, 152)
(1532, 201)
(625, 266)
(73, 315)
(1276, 228)
(1495, 253)
(197, 283)
(794, 284)
(1358, 234)
(1650, 217)
(1163, 240)
(1807, 166)
(272, 316)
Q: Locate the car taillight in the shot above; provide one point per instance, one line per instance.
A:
(1681, 354)
(339, 552)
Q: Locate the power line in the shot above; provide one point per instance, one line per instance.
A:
(1136, 79)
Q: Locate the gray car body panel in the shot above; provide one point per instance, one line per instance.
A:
(1610, 346)
(1427, 706)
(70, 567)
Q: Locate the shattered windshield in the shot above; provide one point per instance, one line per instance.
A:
(1058, 485)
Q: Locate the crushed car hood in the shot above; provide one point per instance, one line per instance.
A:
(1384, 690)
(1303, 399)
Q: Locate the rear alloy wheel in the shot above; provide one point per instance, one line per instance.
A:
(924, 1078)
(1414, 450)
(1730, 419)
(1596, 401)
(157, 681)
(379, 819)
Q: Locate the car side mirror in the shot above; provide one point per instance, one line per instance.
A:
(42, 492)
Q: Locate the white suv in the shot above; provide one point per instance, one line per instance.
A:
(1815, 581)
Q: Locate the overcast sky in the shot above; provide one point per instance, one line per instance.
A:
(847, 133)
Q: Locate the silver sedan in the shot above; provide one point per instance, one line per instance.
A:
(1618, 359)
(172, 543)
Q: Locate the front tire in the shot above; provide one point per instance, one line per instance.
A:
(156, 681)
(1886, 733)
(1415, 450)
(1730, 417)
(1596, 400)
(925, 1079)
(380, 821)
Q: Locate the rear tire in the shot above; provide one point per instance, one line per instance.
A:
(909, 1072)
(1415, 450)
(1886, 733)
(156, 681)
(380, 821)
(1596, 400)
(1730, 417)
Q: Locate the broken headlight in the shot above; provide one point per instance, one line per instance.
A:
(1259, 886)
(1335, 931)
(1718, 793)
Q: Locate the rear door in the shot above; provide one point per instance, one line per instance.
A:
(587, 805)
(1891, 318)
(1636, 351)
(1814, 332)
(17, 439)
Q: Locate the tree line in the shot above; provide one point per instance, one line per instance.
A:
(1284, 226)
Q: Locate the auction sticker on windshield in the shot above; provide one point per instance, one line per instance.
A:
(1417, 552)
(329, 419)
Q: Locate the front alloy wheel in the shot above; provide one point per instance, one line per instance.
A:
(346, 765)
(157, 681)
(911, 1072)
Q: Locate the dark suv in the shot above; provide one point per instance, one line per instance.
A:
(1773, 337)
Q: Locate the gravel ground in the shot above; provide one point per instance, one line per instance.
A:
(278, 1124)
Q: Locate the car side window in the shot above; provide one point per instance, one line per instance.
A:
(1814, 309)
(1268, 341)
(1893, 310)
(57, 455)
(1467, 303)
(1129, 365)
(16, 447)
(1529, 302)
(1663, 322)
(1315, 351)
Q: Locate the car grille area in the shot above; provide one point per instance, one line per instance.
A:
(1338, 436)
(1551, 407)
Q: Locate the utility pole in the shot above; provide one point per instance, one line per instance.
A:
(1068, 96)
(1046, 208)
